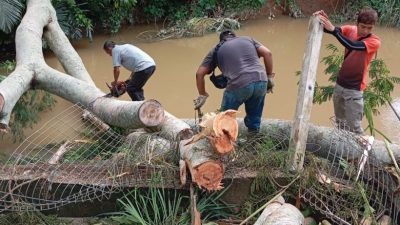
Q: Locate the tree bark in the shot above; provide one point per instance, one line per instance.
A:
(204, 165)
(320, 139)
(76, 86)
(173, 128)
(148, 146)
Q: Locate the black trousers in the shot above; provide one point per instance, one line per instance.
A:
(138, 79)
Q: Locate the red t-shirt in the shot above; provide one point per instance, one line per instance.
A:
(354, 70)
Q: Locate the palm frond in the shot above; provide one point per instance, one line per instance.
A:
(10, 14)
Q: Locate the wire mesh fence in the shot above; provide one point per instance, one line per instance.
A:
(75, 158)
(349, 186)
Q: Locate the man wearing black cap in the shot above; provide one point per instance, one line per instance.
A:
(238, 58)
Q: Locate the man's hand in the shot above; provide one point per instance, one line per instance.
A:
(199, 101)
(325, 20)
(271, 83)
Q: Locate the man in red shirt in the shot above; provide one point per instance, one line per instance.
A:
(361, 46)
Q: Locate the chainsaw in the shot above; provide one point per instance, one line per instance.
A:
(116, 90)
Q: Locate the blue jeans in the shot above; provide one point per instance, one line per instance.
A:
(252, 96)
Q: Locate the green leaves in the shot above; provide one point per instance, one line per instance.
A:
(333, 63)
(156, 206)
(160, 206)
(10, 14)
(73, 19)
(377, 93)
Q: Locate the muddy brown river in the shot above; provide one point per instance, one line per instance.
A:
(173, 83)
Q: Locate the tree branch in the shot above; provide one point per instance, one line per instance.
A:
(65, 52)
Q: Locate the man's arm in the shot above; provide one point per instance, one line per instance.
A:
(347, 43)
(337, 32)
(264, 52)
(116, 74)
(200, 83)
(203, 95)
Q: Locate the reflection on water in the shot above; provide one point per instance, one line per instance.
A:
(173, 83)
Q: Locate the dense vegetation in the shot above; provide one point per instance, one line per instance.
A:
(80, 18)
(388, 11)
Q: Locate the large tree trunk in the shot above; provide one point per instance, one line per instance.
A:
(75, 86)
(321, 139)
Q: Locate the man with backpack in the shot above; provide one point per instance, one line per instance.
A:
(248, 80)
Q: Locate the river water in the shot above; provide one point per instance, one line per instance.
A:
(173, 83)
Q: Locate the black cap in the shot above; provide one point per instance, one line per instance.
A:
(226, 33)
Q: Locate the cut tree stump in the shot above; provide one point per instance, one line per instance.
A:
(201, 154)
(204, 164)
(220, 129)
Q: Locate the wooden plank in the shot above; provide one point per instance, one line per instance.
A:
(299, 132)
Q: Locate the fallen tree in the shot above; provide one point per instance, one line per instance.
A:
(322, 139)
(75, 85)
(201, 158)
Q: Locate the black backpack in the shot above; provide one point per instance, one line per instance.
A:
(219, 81)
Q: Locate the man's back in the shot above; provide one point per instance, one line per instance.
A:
(131, 57)
(239, 61)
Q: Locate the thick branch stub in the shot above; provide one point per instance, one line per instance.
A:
(151, 113)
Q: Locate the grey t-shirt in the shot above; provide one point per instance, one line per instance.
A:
(238, 61)
(131, 57)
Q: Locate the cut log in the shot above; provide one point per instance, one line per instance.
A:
(320, 139)
(203, 163)
(220, 129)
(173, 128)
(279, 212)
